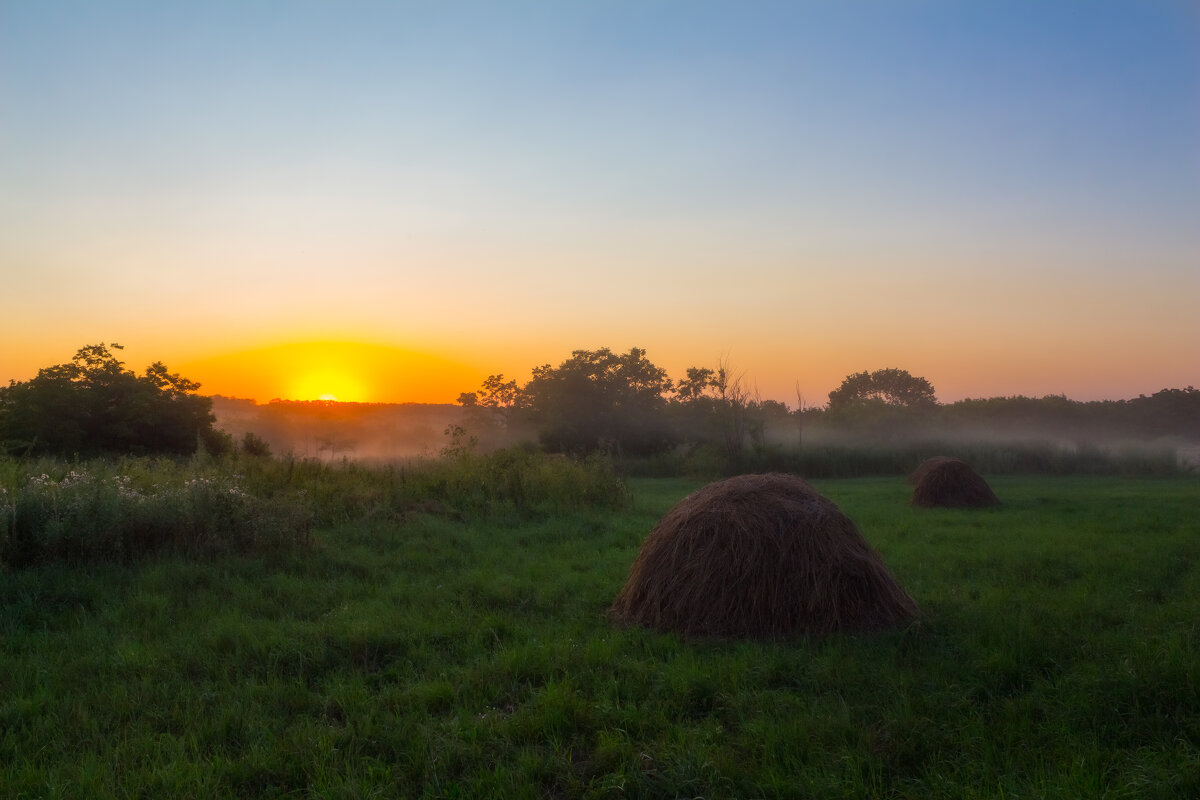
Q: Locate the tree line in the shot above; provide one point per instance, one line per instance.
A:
(595, 400)
(623, 402)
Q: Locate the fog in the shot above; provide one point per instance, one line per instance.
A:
(326, 430)
(1048, 427)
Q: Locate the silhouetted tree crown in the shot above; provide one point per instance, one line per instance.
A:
(94, 405)
(892, 387)
(597, 399)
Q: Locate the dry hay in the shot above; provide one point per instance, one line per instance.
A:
(759, 556)
(925, 466)
(944, 482)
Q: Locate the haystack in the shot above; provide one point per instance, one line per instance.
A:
(944, 482)
(925, 466)
(759, 556)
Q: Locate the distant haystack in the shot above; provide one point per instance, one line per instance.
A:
(925, 466)
(759, 556)
(944, 482)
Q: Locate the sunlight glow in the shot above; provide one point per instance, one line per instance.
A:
(348, 372)
(327, 383)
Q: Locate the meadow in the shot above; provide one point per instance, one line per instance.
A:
(442, 633)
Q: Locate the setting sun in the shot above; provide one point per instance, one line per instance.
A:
(328, 384)
(347, 372)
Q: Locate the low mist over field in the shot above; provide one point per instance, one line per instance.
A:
(332, 430)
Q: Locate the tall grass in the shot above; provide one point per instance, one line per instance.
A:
(104, 511)
(831, 457)
(516, 483)
(126, 509)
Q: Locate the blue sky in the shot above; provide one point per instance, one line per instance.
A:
(1001, 196)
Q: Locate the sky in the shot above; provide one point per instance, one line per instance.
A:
(389, 201)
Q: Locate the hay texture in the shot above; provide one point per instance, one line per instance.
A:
(759, 556)
(944, 482)
(926, 466)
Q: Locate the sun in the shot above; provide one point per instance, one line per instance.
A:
(341, 371)
(327, 383)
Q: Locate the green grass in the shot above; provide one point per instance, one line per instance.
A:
(126, 510)
(431, 655)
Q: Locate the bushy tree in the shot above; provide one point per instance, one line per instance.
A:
(496, 401)
(885, 402)
(892, 387)
(597, 399)
(697, 384)
(712, 406)
(94, 405)
(254, 445)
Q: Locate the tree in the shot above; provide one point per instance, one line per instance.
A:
(695, 385)
(597, 399)
(695, 408)
(94, 405)
(713, 405)
(882, 403)
(764, 415)
(497, 400)
(732, 399)
(254, 445)
(890, 387)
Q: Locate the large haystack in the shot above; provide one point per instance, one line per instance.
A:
(944, 482)
(759, 556)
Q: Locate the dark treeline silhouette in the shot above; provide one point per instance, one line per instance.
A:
(1166, 413)
(624, 404)
(93, 405)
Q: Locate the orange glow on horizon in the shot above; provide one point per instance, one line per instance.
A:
(328, 383)
(1081, 365)
(348, 372)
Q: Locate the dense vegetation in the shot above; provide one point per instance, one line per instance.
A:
(126, 510)
(94, 405)
(409, 652)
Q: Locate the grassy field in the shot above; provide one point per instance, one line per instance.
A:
(1058, 655)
